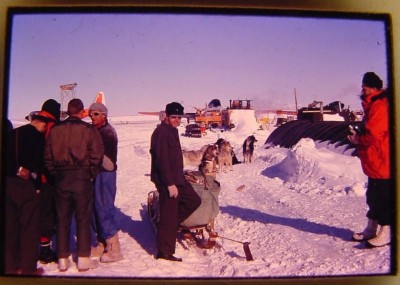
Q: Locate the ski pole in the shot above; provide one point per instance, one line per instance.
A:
(246, 247)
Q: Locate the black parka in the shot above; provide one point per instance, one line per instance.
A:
(166, 156)
(25, 148)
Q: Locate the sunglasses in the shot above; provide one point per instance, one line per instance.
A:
(95, 114)
(175, 117)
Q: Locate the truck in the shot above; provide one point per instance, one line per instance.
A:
(214, 116)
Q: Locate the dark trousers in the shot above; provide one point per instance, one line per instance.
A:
(22, 226)
(173, 211)
(381, 201)
(47, 211)
(74, 194)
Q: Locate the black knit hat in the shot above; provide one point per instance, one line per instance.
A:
(372, 80)
(52, 107)
(174, 108)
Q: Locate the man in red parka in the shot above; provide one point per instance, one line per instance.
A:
(374, 152)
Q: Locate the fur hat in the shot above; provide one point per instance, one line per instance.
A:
(372, 80)
(174, 108)
(99, 107)
(42, 116)
(52, 107)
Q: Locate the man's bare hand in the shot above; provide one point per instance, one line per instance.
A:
(173, 191)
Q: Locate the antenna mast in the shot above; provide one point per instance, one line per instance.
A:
(67, 94)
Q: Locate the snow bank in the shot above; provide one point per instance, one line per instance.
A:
(305, 163)
(245, 121)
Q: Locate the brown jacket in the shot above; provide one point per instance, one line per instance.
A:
(74, 144)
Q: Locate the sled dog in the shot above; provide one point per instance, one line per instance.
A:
(225, 156)
(192, 157)
(208, 163)
(234, 158)
(248, 148)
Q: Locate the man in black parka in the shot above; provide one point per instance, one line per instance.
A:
(178, 200)
(24, 167)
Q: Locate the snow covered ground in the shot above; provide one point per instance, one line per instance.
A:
(297, 209)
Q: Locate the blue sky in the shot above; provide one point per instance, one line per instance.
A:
(144, 61)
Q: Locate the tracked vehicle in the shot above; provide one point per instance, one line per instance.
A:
(328, 123)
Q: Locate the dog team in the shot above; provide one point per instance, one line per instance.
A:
(218, 157)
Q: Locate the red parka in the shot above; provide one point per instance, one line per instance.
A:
(373, 148)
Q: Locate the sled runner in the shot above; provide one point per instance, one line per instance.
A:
(199, 226)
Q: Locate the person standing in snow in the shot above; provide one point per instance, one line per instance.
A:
(51, 109)
(374, 152)
(178, 200)
(105, 188)
(73, 154)
(24, 167)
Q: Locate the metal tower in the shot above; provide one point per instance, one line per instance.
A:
(67, 93)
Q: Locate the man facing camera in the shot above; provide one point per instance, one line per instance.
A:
(105, 188)
(178, 200)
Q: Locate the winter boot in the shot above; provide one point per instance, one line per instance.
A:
(97, 251)
(113, 250)
(368, 233)
(63, 264)
(46, 254)
(85, 263)
(383, 237)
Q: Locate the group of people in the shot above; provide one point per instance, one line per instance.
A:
(77, 161)
(58, 171)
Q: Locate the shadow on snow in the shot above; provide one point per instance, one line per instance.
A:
(139, 230)
(300, 224)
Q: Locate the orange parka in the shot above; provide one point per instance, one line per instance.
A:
(373, 148)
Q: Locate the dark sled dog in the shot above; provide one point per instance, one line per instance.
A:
(248, 148)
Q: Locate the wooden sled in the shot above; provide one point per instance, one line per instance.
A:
(203, 235)
(200, 226)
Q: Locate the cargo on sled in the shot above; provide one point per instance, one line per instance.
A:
(199, 226)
